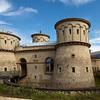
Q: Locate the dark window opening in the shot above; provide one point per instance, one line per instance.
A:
(59, 69)
(73, 69)
(84, 32)
(35, 67)
(77, 31)
(35, 77)
(5, 69)
(73, 55)
(5, 41)
(70, 31)
(14, 68)
(11, 42)
(87, 69)
(63, 32)
(35, 56)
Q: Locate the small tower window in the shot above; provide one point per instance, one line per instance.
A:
(77, 31)
(59, 69)
(87, 70)
(35, 67)
(35, 56)
(73, 55)
(73, 69)
(11, 42)
(70, 31)
(14, 68)
(35, 77)
(5, 69)
(63, 32)
(84, 32)
(5, 41)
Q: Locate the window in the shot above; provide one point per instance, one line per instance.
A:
(84, 32)
(59, 69)
(5, 69)
(35, 77)
(70, 31)
(73, 55)
(35, 56)
(77, 31)
(11, 42)
(63, 32)
(63, 29)
(14, 68)
(49, 64)
(5, 41)
(87, 69)
(73, 69)
(35, 67)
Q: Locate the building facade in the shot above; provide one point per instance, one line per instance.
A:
(61, 65)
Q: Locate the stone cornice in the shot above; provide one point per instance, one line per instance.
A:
(72, 19)
(36, 50)
(10, 35)
(6, 50)
(73, 43)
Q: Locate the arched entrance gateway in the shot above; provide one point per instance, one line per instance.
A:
(23, 64)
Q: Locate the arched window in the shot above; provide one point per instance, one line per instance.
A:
(49, 64)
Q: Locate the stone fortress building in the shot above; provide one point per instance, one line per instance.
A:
(61, 65)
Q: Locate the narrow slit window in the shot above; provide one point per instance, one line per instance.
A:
(87, 70)
(70, 31)
(35, 67)
(5, 69)
(73, 55)
(59, 69)
(5, 41)
(35, 56)
(73, 69)
(77, 31)
(35, 77)
(84, 32)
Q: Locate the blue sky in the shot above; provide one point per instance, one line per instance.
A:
(31, 16)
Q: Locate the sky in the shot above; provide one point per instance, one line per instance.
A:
(26, 17)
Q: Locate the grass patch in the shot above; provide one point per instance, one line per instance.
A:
(29, 92)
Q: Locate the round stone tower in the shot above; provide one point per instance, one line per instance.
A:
(73, 67)
(8, 43)
(40, 37)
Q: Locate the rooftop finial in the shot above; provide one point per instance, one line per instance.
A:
(40, 31)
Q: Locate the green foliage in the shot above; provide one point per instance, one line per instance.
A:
(29, 92)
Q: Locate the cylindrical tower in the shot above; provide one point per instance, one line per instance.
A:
(40, 37)
(8, 43)
(73, 67)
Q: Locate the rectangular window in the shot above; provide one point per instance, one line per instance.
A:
(87, 69)
(84, 32)
(35, 56)
(59, 69)
(70, 31)
(77, 31)
(73, 69)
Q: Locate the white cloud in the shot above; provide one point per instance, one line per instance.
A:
(95, 40)
(4, 6)
(7, 9)
(73, 2)
(4, 23)
(95, 48)
(20, 11)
